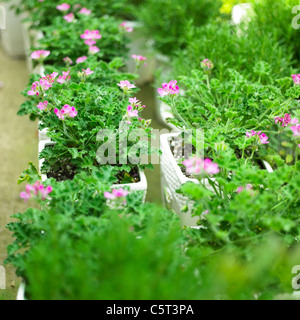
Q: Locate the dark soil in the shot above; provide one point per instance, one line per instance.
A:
(65, 170)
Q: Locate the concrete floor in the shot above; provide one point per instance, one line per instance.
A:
(19, 145)
(147, 96)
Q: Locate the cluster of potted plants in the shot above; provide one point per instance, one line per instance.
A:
(230, 170)
(82, 97)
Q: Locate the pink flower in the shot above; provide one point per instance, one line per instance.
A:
(67, 61)
(170, 88)
(40, 54)
(124, 26)
(85, 11)
(134, 101)
(39, 87)
(296, 78)
(263, 139)
(93, 49)
(248, 188)
(197, 166)
(296, 130)
(45, 191)
(90, 42)
(91, 35)
(69, 17)
(36, 190)
(88, 71)
(25, 196)
(42, 105)
(116, 194)
(139, 59)
(65, 77)
(81, 59)
(63, 7)
(210, 167)
(207, 65)
(126, 85)
(286, 120)
(66, 111)
(131, 112)
(83, 75)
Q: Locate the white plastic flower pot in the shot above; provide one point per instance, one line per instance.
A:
(164, 111)
(132, 187)
(172, 178)
(31, 38)
(43, 134)
(21, 292)
(11, 30)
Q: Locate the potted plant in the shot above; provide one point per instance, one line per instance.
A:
(214, 109)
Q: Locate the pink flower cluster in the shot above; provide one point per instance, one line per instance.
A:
(85, 73)
(124, 26)
(131, 113)
(133, 109)
(139, 59)
(116, 194)
(263, 139)
(247, 188)
(63, 7)
(38, 88)
(85, 11)
(66, 111)
(90, 37)
(93, 49)
(40, 54)
(43, 105)
(36, 190)
(170, 88)
(69, 17)
(286, 120)
(198, 166)
(65, 77)
(207, 65)
(296, 130)
(126, 86)
(81, 59)
(296, 78)
(68, 61)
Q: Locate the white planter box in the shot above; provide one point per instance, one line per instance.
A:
(163, 112)
(11, 30)
(31, 38)
(172, 178)
(43, 134)
(21, 292)
(133, 187)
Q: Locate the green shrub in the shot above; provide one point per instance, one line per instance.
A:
(167, 21)
(227, 47)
